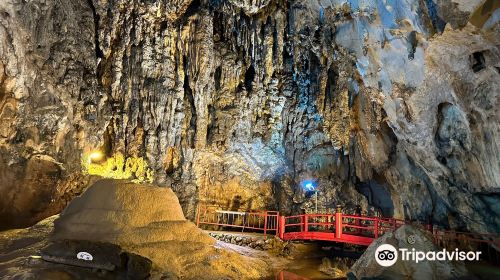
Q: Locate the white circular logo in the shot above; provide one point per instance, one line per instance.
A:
(386, 255)
(84, 256)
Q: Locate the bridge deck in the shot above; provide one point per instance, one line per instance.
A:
(329, 236)
(336, 227)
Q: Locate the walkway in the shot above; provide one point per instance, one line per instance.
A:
(338, 227)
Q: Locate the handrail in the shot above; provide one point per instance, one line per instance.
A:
(260, 221)
(356, 229)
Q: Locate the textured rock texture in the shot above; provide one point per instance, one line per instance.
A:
(366, 266)
(236, 103)
(255, 242)
(147, 220)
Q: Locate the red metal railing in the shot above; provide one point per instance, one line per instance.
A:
(447, 238)
(369, 226)
(264, 221)
(336, 227)
(354, 229)
(489, 244)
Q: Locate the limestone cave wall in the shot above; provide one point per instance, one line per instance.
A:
(389, 107)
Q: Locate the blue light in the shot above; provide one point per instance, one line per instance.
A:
(309, 185)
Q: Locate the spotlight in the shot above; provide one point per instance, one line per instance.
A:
(96, 157)
(310, 186)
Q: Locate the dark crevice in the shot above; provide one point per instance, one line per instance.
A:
(412, 44)
(192, 9)
(390, 139)
(217, 77)
(317, 35)
(331, 85)
(478, 61)
(188, 94)
(98, 51)
(218, 27)
(163, 25)
(249, 77)
(437, 22)
(378, 194)
(211, 129)
(275, 43)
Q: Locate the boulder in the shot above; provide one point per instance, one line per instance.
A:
(121, 212)
(366, 267)
(327, 268)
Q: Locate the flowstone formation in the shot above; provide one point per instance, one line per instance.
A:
(148, 221)
(389, 105)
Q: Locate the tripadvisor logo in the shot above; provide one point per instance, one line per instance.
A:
(386, 255)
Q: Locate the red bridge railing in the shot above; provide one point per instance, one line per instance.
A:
(354, 229)
(337, 227)
(265, 221)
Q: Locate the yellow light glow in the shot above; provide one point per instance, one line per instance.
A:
(96, 156)
(117, 166)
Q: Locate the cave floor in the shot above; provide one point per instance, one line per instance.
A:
(18, 245)
(303, 260)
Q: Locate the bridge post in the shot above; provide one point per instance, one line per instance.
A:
(198, 215)
(375, 230)
(277, 233)
(338, 223)
(265, 223)
(357, 222)
(282, 227)
(306, 223)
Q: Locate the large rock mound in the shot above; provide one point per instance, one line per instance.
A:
(366, 266)
(148, 221)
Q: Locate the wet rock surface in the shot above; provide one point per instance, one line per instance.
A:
(236, 103)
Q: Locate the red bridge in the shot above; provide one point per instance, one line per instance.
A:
(359, 230)
(338, 227)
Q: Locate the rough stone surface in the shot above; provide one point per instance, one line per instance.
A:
(367, 267)
(259, 243)
(236, 103)
(148, 221)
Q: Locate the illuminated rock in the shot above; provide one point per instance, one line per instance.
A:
(147, 220)
(249, 98)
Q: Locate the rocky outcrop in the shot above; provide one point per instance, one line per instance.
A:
(148, 221)
(47, 67)
(366, 266)
(236, 103)
(254, 242)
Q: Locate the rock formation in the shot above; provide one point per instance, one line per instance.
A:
(148, 221)
(384, 104)
(367, 268)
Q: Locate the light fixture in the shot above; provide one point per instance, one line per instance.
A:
(96, 157)
(310, 186)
